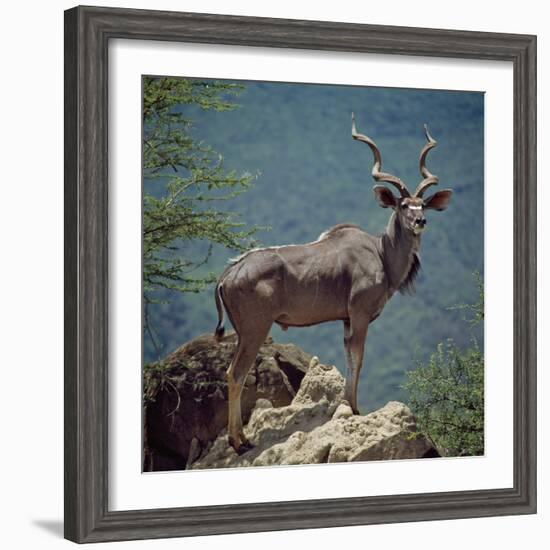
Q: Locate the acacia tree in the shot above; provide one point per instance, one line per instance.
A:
(185, 182)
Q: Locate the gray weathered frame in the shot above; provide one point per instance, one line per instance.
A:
(87, 34)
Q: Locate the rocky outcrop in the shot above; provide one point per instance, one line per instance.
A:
(186, 395)
(318, 426)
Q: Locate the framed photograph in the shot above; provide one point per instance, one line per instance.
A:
(300, 274)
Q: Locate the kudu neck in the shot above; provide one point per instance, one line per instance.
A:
(399, 247)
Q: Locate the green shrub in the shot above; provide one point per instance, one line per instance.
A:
(447, 394)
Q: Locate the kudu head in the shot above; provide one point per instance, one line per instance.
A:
(409, 208)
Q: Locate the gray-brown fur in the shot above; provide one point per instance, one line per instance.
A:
(346, 275)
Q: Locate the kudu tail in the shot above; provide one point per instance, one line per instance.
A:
(220, 329)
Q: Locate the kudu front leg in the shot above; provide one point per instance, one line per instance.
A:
(355, 335)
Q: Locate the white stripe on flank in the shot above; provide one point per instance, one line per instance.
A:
(237, 259)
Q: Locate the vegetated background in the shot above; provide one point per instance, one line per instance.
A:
(296, 138)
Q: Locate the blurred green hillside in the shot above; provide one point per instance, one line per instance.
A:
(312, 175)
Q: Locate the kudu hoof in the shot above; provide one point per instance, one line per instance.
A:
(353, 408)
(242, 447)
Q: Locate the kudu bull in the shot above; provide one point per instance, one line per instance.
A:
(346, 275)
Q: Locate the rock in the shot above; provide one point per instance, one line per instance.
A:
(321, 383)
(319, 427)
(186, 395)
(342, 411)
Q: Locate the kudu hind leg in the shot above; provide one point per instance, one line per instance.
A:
(355, 334)
(247, 350)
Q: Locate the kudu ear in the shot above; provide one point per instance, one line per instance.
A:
(384, 196)
(438, 201)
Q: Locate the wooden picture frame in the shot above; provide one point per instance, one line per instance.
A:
(87, 34)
